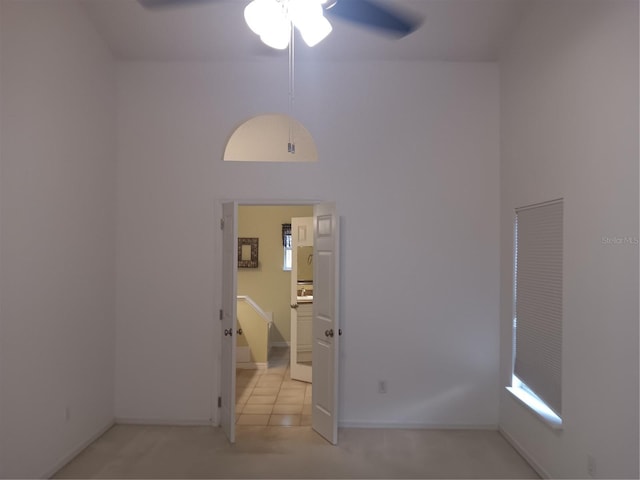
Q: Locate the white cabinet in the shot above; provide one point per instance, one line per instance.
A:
(304, 334)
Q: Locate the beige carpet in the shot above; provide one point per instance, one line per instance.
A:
(128, 451)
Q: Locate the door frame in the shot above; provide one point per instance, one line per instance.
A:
(218, 338)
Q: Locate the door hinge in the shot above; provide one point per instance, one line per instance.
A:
(221, 314)
(222, 224)
(219, 402)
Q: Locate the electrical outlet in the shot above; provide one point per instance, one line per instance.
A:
(591, 466)
(382, 386)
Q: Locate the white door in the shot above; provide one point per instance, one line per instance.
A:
(301, 316)
(227, 401)
(326, 326)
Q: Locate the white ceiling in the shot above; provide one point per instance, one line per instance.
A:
(453, 30)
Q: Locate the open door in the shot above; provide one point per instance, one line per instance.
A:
(301, 300)
(326, 322)
(227, 401)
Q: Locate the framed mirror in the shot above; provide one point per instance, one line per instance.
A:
(305, 264)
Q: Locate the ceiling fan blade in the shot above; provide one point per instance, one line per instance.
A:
(172, 3)
(371, 14)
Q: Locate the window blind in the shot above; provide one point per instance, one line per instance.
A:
(538, 303)
(286, 235)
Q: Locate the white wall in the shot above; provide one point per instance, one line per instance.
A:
(410, 153)
(570, 129)
(58, 235)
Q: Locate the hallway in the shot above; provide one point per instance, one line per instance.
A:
(271, 397)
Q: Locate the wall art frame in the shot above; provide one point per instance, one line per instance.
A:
(248, 259)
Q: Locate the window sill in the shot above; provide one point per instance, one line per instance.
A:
(539, 410)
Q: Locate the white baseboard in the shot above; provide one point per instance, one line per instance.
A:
(416, 426)
(252, 365)
(180, 422)
(75, 451)
(526, 455)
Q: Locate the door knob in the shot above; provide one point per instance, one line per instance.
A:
(294, 305)
(228, 332)
(239, 331)
(328, 333)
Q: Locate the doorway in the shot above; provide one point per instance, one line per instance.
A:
(274, 389)
(324, 317)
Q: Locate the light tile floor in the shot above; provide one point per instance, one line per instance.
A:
(270, 397)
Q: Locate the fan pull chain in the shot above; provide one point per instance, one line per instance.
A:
(292, 143)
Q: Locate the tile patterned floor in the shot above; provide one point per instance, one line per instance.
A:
(271, 397)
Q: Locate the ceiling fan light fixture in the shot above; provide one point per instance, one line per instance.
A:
(303, 11)
(314, 33)
(307, 16)
(277, 34)
(272, 21)
(267, 19)
(256, 14)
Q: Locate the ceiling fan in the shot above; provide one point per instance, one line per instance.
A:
(273, 20)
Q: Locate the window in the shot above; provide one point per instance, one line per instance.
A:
(286, 243)
(537, 323)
